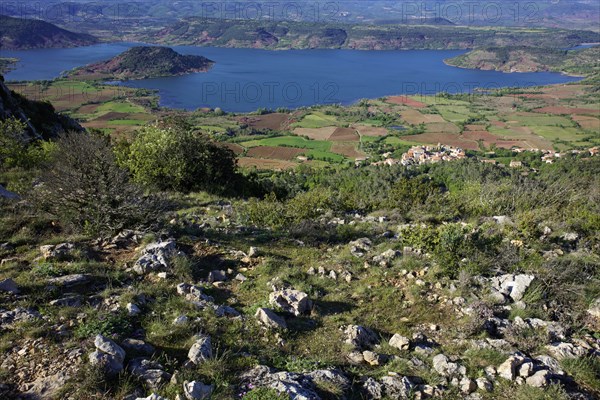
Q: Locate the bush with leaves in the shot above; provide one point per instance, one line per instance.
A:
(173, 156)
(85, 189)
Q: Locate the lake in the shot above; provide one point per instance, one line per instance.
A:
(244, 80)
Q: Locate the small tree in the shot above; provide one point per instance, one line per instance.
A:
(84, 187)
(172, 156)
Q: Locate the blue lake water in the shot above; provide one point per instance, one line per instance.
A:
(244, 80)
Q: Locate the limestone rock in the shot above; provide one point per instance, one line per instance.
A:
(155, 256)
(508, 369)
(57, 252)
(539, 379)
(201, 350)
(372, 389)
(196, 390)
(132, 310)
(269, 319)
(445, 367)
(297, 386)
(467, 385)
(217, 276)
(397, 387)
(562, 350)
(385, 258)
(360, 337)
(153, 396)
(594, 309)
(149, 372)
(331, 377)
(292, 301)
(70, 280)
(513, 286)
(359, 247)
(254, 252)
(400, 342)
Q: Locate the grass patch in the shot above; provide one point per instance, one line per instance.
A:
(290, 141)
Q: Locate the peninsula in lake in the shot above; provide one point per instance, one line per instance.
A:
(144, 62)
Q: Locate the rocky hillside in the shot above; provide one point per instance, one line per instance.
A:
(452, 281)
(301, 35)
(20, 33)
(531, 59)
(145, 62)
(41, 118)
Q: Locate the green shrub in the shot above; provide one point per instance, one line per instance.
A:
(173, 156)
(265, 394)
(107, 325)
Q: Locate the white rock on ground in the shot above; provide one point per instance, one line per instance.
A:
(269, 319)
(155, 256)
(360, 337)
(445, 367)
(196, 390)
(201, 350)
(400, 342)
(292, 301)
(539, 379)
(108, 355)
(508, 369)
(513, 286)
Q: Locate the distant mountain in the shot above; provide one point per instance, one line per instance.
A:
(301, 35)
(41, 118)
(583, 62)
(145, 62)
(20, 33)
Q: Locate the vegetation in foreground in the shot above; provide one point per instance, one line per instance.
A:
(139, 274)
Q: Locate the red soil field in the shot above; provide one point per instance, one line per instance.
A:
(236, 148)
(560, 110)
(347, 150)
(407, 101)
(344, 135)
(366, 130)
(275, 121)
(275, 152)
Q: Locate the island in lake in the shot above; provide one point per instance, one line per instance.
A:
(144, 62)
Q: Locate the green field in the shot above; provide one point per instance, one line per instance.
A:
(316, 120)
(120, 107)
(454, 113)
(557, 133)
(290, 141)
(135, 122)
(542, 120)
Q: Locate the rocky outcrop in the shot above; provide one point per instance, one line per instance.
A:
(108, 355)
(40, 118)
(269, 319)
(201, 350)
(292, 301)
(156, 257)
